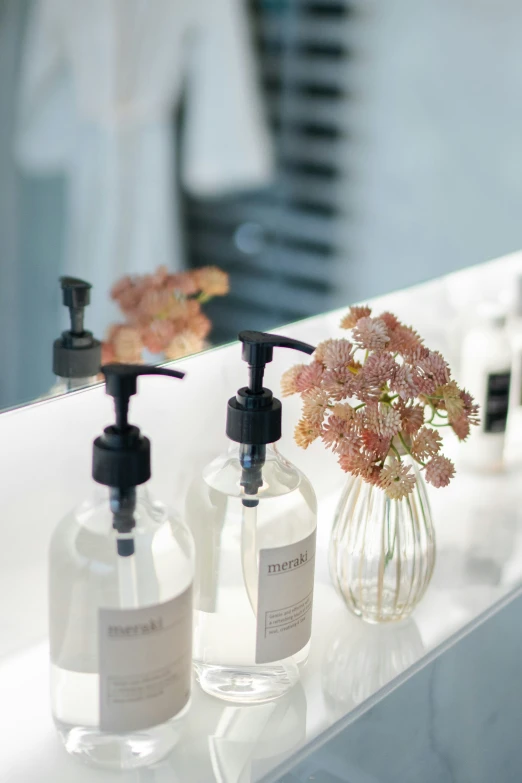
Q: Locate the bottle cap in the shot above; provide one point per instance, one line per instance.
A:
(254, 414)
(76, 354)
(121, 456)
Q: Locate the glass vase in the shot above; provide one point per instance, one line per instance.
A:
(382, 551)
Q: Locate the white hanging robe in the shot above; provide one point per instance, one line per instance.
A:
(100, 80)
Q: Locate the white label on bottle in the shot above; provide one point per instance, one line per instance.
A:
(145, 663)
(285, 596)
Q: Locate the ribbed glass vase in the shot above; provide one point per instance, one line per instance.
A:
(382, 551)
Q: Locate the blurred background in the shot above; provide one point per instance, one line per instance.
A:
(318, 152)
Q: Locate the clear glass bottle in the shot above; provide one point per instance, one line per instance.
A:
(246, 622)
(121, 572)
(87, 575)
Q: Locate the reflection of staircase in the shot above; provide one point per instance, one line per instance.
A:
(280, 245)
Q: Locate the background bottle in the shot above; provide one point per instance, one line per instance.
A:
(121, 574)
(513, 448)
(486, 373)
(253, 515)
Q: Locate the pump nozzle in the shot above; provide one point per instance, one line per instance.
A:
(76, 354)
(76, 295)
(121, 382)
(254, 414)
(121, 456)
(258, 350)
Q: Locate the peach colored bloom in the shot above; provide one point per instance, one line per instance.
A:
(157, 335)
(184, 283)
(126, 343)
(289, 380)
(343, 410)
(334, 432)
(439, 471)
(384, 420)
(306, 432)
(212, 280)
(397, 479)
(310, 377)
(200, 325)
(355, 313)
(339, 384)
(183, 344)
(335, 354)
(412, 417)
(314, 407)
(370, 334)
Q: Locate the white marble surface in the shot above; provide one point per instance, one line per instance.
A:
(45, 469)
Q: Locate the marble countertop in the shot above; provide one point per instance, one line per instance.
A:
(354, 670)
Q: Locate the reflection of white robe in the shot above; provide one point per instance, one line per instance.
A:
(100, 79)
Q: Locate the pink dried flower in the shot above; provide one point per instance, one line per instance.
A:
(435, 368)
(334, 432)
(375, 444)
(355, 313)
(360, 463)
(314, 407)
(412, 417)
(306, 432)
(391, 321)
(384, 420)
(377, 370)
(335, 354)
(426, 443)
(339, 384)
(461, 427)
(439, 471)
(371, 334)
(404, 340)
(289, 380)
(396, 479)
(403, 382)
(343, 410)
(310, 377)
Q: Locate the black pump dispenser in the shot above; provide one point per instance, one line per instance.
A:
(76, 354)
(121, 456)
(254, 414)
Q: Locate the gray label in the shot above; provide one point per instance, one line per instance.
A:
(284, 609)
(145, 663)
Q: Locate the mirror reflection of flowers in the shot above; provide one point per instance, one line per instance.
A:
(378, 396)
(163, 313)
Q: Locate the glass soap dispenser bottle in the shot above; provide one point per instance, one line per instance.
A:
(121, 574)
(76, 353)
(253, 515)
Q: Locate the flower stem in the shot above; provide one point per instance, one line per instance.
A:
(357, 407)
(405, 446)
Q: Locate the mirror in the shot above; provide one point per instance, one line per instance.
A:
(316, 152)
